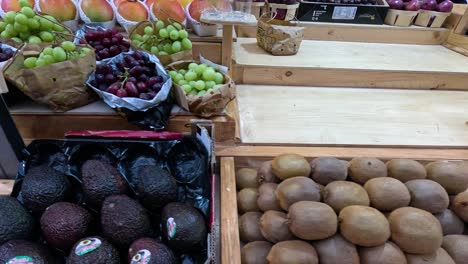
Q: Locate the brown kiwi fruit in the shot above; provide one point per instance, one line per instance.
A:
(267, 198)
(451, 175)
(388, 253)
(450, 222)
(312, 220)
(336, 249)
(274, 226)
(439, 257)
(246, 178)
(255, 252)
(265, 173)
(428, 195)
(339, 194)
(249, 227)
(415, 231)
(406, 170)
(247, 200)
(290, 165)
(328, 169)
(297, 189)
(293, 251)
(457, 247)
(460, 205)
(364, 226)
(363, 169)
(387, 194)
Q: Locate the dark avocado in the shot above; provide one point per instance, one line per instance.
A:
(43, 186)
(145, 249)
(63, 224)
(156, 187)
(23, 251)
(93, 250)
(100, 180)
(183, 226)
(123, 220)
(15, 220)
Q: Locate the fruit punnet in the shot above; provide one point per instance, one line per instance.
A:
(108, 43)
(26, 26)
(66, 51)
(162, 39)
(97, 10)
(134, 76)
(198, 79)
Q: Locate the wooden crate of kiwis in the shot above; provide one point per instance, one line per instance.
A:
(343, 205)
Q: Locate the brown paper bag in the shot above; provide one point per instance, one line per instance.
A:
(212, 103)
(164, 59)
(279, 37)
(62, 86)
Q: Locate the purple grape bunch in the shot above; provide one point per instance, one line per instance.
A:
(107, 43)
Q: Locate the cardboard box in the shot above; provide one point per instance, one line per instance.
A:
(344, 11)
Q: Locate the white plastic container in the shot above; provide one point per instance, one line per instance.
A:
(106, 24)
(400, 18)
(200, 29)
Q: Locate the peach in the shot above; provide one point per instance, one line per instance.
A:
(168, 9)
(133, 11)
(13, 5)
(62, 10)
(149, 3)
(97, 10)
(197, 7)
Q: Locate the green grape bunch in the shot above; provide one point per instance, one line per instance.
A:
(198, 79)
(27, 26)
(66, 51)
(160, 39)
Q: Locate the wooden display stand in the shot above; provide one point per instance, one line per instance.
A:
(458, 38)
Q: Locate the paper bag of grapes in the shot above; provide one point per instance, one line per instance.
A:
(136, 85)
(106, 42)
(169, 42)
(279, 37)
(35, 30)
(203, 88)
(56, 76)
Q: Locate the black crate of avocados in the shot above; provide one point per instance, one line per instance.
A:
(343, 11)
(110, 197)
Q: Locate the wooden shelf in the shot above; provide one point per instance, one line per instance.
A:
(37, 121)
(352, 64)
(285, 115)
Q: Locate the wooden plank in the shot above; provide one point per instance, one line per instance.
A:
(462, 26)
(230, 242)
(363, 33)
(267, 152)
(6, 186)
(352, 117)
(36, 121)
(457, 43)
(211, 51)
(352, 64)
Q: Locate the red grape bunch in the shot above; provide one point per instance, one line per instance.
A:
(135, 76)
(107, 43)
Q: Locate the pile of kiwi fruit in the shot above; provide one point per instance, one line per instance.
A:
(361, 211)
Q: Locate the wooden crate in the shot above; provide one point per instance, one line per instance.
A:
(235, 158)
(458, 38)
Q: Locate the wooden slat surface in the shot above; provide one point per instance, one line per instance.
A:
(230, 245)
(36, 121)
(363, 33)
(351, 64)
(350, 116)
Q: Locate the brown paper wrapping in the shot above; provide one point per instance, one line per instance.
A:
(212, 103)
(61, 86)
(279, 37)
(164, 59)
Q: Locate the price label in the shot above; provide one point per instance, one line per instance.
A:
(344, 12)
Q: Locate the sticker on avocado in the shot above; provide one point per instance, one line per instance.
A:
(171, 227)
(88, 245)
(141, 257)
(20, 260)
